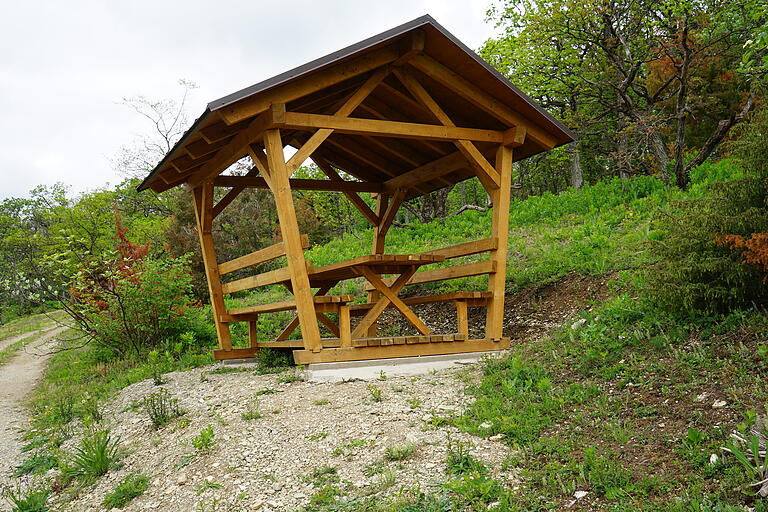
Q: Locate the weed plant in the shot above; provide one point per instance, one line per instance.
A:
(27, 497)
(205, 440)
(132, 486)
(398, 452)
(96, 455)
(161, 407)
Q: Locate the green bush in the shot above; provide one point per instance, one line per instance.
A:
(205, 439)
(693, 271)
(131, 487)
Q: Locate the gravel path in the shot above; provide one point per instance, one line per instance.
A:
(17, 377)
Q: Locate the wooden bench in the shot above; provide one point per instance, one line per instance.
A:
(323, 304)
(461, 301)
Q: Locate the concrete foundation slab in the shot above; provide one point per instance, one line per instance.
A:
(372, 369)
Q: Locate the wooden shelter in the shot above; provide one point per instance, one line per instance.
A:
(401, 114)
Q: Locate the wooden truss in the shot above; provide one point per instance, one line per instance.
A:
(381, 117)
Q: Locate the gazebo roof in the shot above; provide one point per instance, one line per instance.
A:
(469, 91)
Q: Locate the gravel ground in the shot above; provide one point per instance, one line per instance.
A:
(263, 464)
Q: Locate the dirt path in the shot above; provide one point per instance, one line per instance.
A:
(17, 377)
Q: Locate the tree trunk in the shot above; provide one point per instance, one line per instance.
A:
(660, 153)
(577, 177)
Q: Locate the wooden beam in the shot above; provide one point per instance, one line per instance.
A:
(442, 274)
(295, 89)
(238, 146)
(257, 257)
(232, 194)
(272, 277)
(360, 126)
(462, 317)
(330, 355)
(389, 215)
(484, 171)
(427, 172)
(467, 248)
(515, 136)
(202, 197)
(289, 226)
(201, 147)
(480, 98)
(355, 199)
(221, 130)
(299, 184)
(346, 109)
(368, 322)
(494, 323)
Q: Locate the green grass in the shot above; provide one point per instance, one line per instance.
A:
(132, 486)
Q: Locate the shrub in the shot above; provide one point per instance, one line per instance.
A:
(205, 439)
(95, 456)
(130, 300)
(161, 407)
(131, 487)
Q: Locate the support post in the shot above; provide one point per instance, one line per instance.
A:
(379, 236)
(286, 212)
(203, 202)
(253, 333)
(500, 230)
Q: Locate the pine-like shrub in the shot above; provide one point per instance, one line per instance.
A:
(697, 268)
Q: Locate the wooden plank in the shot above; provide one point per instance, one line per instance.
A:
(377, 247)
(200, 147)
(515, 136)
(462, 317)
(221, 130)
(427, 172)
(203, 203)
(345, 331)
(253, 340)
(310, 83)
(361, 126)
(475, 298)
(396, 301)
(257, 257)
(272, 277)
(238, 146)
(346, 109)
(484, 171)
(442, 274)
(299, 184)
(289, 226)
(398, 350)
(499, 229)
(465, 249)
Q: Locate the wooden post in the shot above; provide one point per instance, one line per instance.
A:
(203, 201)
(253, 333)
(462, 317)
(379, 236)
(494, 322)
(289, 226)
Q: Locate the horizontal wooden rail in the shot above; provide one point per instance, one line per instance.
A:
(465, 249)
(290, 304)
(273, 277)
(442, 274)
(257, 257)
(361, 126)
(300, 184)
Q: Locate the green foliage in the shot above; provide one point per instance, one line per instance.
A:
(161, 407)
(37, 463)
(515, 397)
(97, 454)
(322, 476)
(132, 486)
(32, 497)
(397, 452)
(694, 272)
(205, 440)
(460, 461)
(375, 393)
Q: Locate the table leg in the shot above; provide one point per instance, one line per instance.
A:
(396, 301)
(382, 303)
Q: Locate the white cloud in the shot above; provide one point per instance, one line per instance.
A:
(67, 65)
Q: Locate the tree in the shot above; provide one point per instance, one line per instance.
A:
(629, 76)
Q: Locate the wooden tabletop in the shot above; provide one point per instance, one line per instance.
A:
(378, 263)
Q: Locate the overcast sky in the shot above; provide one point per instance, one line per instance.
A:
(67, 65)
